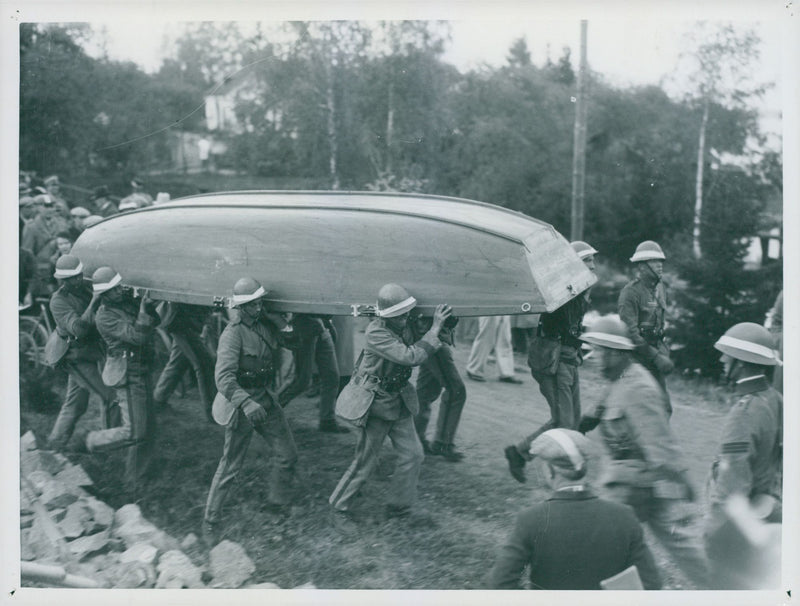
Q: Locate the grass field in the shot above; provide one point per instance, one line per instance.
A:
(473, 503)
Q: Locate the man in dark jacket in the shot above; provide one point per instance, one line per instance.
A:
(574, 539)
(554, 356)
(73, 307)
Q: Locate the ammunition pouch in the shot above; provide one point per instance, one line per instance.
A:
(395, 380)
(652, 336)
(254, 379)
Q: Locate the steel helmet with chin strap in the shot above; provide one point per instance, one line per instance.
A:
(393, 301)
(245, 290)
(749, 342)
(648, 251)
(582, 249)
(68, 266)
(609, 331)
(104, 279)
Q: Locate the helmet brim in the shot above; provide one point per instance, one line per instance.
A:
(604, 339)
(746, 351)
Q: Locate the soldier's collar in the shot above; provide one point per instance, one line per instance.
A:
(751, 385)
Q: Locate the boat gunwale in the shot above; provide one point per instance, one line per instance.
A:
(518, 239)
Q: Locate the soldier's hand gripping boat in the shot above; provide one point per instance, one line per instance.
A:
(330, 252)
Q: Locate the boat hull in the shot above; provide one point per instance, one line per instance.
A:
(330, 252)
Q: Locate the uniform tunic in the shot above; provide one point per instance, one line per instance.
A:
(573, 540)
(129, 335)
(647, 469)
(388, 357)
(81, 362)
(245, 371)
(642, 306)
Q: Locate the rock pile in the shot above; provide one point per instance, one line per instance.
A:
(65, 529)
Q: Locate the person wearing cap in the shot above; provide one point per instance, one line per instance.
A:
(127, 329)
(39, 237)
(494, 334)
(439, 375)
(574, 539)
(246, 401)
(73, 307)
(315, 344)
(554, 357)
(53, 186)
(184, 323)
(750, 458)
(642, 306)
(103, 204)
(28, 209)
(647, 469)
(384, 367)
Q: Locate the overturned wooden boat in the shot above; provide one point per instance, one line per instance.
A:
(330, 252)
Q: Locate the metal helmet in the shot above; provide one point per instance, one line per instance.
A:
(68, 266)
(749, 342)
(582, 249)
(393, 301)
(105, 278)
(609, 331)
(648, 251)
(246, 290)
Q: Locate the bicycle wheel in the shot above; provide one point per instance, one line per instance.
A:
(31, 363)
(33, 327)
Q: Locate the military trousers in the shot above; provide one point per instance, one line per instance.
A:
(563, 394)
(137, 429)
(83, 380)
(439, 375)
(187, 351)
(675, 524)
(403, 488)
(238, 433)
(322, 351)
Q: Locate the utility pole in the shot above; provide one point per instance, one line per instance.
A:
(579, 145)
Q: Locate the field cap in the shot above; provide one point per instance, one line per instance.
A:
(80, 212)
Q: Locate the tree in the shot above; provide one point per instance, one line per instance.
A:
(518, 54)
(720, 77)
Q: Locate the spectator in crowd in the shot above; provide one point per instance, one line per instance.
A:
(750, 458)
(554, 357)
(647, 470)
(184, 323)
(53, 186)
(127, 329)
(574, 539)
(103, 204)
(77, 216)
(642, 306)
(28, 277)
(246, 401)
(315, 344)
(138, 197)
(494, 334)
(28, 209)
(439, 375)
(384, 368)
(73, 307)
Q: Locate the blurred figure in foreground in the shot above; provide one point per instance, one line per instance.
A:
(749, 463)
(647, 470)
(774, 323)
(573, 540)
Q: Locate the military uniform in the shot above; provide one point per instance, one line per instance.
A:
(314, 344)
(647, 469)
(749, 463)
(81, 362)
(387, 363)
(187, 350)
(439, 375)
(561, 389)
(128, 334)
(642, 306)
(246, 370)
(573, 540)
